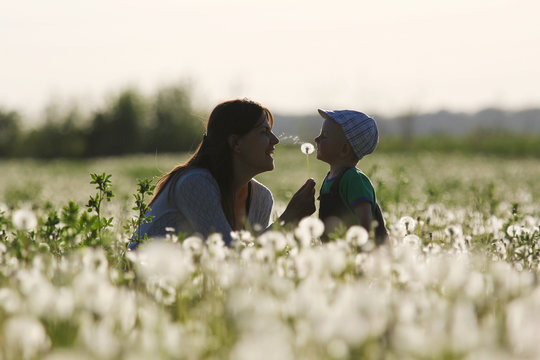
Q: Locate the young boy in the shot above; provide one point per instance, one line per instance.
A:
(347, 196)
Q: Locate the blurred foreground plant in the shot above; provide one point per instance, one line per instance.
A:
(144, 188)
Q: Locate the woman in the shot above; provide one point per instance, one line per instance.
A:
(214, 191)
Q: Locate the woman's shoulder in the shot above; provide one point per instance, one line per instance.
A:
(196, 171)
(194, 182)
(196, 175)
(259, 189)
(195, 187)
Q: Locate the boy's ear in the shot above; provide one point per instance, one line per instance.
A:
(346, 150)
(233, 143)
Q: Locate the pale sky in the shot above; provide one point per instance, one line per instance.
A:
(378, 56)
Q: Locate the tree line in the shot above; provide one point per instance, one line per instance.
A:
(128, 123)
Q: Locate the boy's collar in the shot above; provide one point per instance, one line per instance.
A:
(341, 171)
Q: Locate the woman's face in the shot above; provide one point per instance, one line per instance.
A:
(255, 150)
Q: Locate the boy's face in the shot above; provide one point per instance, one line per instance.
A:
(331, 142)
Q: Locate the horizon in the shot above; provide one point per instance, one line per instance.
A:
(384, 57)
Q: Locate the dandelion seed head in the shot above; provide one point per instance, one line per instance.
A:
(432, 248)
(456, 275)
(475, 285)
(25, 337)
(99, 338)
(265, 255)
(398, 229)
(273, 239)
(494, 224)
(44, 247)
(215, 240)
(228, 276)
(464, 333)
(24, 219)
(335, 259)
(163, 292)
(357, 235)
(242, 236)
(10, 301)
(303, 236)
(408, 222)
(42, 298)
(64, 304)
(303, 264)
(369, 245)
(409, 337)
(248, 254)
(272, 342)
(337, 349)
(103, 292)
(173, 340)
(352, 321)
(194, 244)
(412, 241)
(514, 230)
(216, 246)
(454, 231)
(164, 260)
(95, 260)
(530, 222)
(132, 255)
(313, 225)
(307, 148)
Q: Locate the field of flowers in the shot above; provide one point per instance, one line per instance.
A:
(457, 280)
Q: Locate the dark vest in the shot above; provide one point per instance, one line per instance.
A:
(331, 204)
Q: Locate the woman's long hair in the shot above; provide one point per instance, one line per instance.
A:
(233, 117)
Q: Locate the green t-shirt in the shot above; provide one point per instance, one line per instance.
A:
(354, 188)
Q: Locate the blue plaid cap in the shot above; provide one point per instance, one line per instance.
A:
(359, 129)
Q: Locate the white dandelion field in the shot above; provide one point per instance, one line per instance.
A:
(458, 278)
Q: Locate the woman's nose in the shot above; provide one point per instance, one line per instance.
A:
(275, 140)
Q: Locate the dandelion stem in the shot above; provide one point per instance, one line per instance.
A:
(307, 160)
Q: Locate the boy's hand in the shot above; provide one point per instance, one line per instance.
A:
(302, 203)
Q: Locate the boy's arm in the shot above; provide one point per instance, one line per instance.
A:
(363, 213)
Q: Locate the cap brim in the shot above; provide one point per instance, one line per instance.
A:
(325, 114)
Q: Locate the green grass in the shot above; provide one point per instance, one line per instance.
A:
(403, 181)
(506, 145)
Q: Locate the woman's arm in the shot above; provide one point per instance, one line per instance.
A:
(302, 204)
